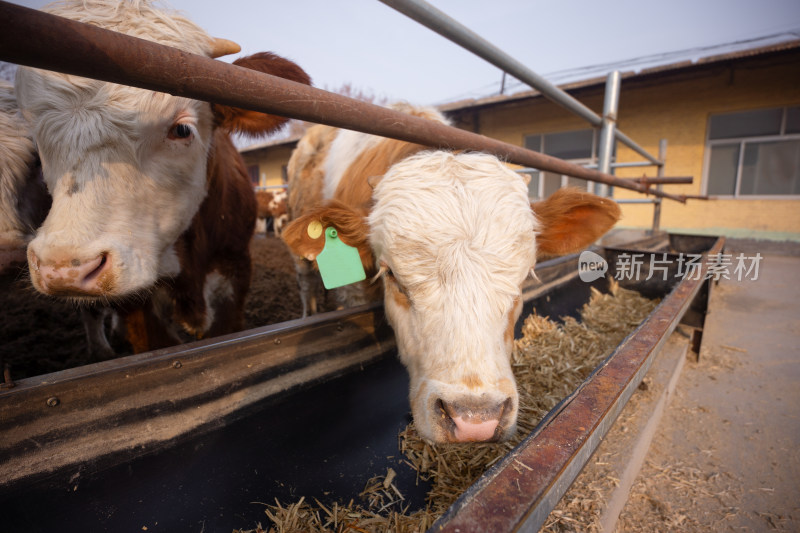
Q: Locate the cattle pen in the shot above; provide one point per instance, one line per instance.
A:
(93, 420)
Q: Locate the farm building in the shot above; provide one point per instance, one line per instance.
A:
(731, 121)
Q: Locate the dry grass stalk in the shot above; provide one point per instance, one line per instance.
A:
(549, 362)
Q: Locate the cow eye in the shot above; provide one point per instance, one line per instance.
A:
(180, 131)
(393, 280)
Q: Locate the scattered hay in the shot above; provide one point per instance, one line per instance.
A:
(549, 362)
(384, 511)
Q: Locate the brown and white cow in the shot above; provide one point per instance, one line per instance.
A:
(452, 236)
(152, 207)
(272, 204)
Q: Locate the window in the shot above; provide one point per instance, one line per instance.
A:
(578, 146)
(754, 153)
(252, 171)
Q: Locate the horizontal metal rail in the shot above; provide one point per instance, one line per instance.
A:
(664, 180)
(441, 23)
(119, 407)
(625, 164)
(635, 201)
(37, 39)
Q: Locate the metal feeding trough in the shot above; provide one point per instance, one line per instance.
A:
(187, 438)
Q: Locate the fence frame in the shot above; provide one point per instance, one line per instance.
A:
(46, 41)
(438, 21)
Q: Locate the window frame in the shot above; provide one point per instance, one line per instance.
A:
(590, 186)
(740, 143)
(254, 174)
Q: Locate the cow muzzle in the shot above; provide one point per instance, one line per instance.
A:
(65, 274)
(475, 420)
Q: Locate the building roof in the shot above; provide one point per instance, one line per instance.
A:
(269, 143)
(684, 64)
(599, 80)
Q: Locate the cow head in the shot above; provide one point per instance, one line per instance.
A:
(453, 237)
(126, 167)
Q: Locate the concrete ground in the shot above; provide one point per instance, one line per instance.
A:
(736, 412)
(725, 455)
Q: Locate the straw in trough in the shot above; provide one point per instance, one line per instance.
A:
(549, 362)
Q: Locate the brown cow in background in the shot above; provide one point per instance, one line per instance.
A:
(272, 204)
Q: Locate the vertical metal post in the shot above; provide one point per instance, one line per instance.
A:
(662, 154)
(446, 26)
(607, 131)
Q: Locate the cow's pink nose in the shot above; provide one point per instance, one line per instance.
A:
(471, 431)
(72, 277)
(472, 424)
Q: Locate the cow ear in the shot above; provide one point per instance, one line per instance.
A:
(305, 236)
(571, 219)
(239, 120)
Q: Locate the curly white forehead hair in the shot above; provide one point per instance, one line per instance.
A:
(437, 213)
(146, 19)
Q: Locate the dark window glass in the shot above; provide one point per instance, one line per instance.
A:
(722, 169)
(771, 168)
(793, 120)
(552, 182)
(252, 171)
(569, 144)
(533, 186)
(746, 124)
(533, 142)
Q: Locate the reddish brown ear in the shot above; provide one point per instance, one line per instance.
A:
(350, 224)
(238, 120)
(571, 220)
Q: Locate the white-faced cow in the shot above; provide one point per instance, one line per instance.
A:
(452, 236)
(272, 204)
(152, 207)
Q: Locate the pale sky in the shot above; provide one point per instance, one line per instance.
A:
(379, 50)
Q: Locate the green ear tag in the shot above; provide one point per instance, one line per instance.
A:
(339, 264)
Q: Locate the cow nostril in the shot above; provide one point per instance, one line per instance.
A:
(445, 420)
(95, 272)
(466, 424)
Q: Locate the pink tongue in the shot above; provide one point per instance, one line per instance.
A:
(468, 431)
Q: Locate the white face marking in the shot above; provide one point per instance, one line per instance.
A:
(457, 233)
(217, 289)
(126, 167)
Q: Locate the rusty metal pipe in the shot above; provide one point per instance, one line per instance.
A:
(665, 180)
(41, 40)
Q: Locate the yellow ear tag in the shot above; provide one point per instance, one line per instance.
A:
(339, 264)
(314, 229)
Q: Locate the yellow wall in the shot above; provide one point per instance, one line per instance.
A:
(676, 108)
(673, 105)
